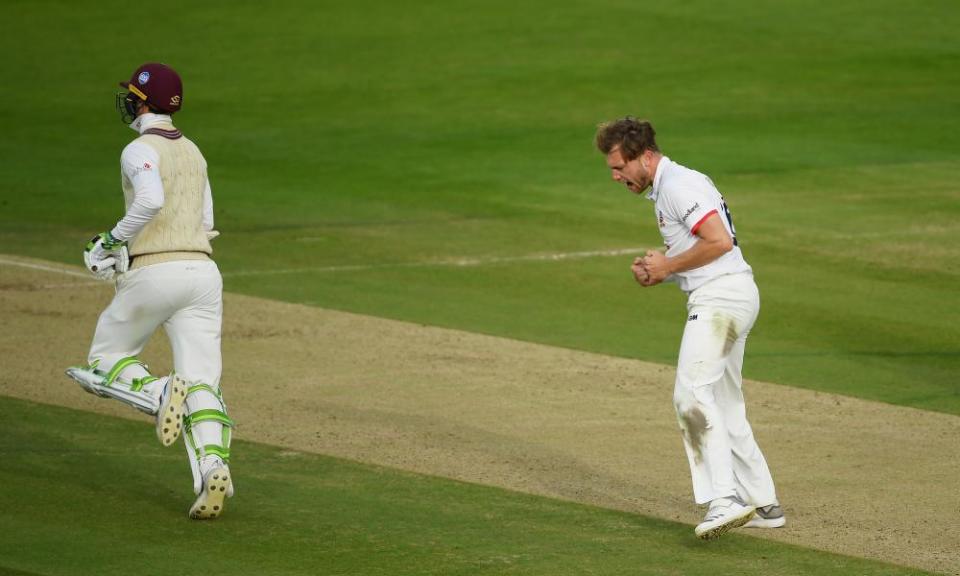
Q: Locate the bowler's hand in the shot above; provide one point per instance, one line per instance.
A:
(639, 272)
(657, 267)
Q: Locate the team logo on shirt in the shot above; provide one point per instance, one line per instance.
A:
(143, 78)
(141, 169)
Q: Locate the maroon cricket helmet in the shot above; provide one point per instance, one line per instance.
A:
(158, 85)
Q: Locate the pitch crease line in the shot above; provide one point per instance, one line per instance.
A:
(451, 263)
(5, 262)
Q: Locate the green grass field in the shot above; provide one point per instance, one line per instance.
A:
(371, 134)
(368, 144)
(308, 514)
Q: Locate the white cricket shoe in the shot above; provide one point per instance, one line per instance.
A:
(216, 487)
(724, 514)
(767, 517)
(170, 413)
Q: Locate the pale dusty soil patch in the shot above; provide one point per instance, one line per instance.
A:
(855, 477)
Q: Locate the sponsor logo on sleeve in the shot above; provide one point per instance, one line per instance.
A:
(660, 219)
(692, 317)
(691, 211)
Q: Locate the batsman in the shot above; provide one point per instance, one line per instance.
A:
(158, 255)
(703, 257)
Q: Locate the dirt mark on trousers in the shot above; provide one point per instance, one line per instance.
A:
(693, 423)
(726, 329)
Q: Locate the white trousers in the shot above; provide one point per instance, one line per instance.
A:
(724, 457)
(186, 298)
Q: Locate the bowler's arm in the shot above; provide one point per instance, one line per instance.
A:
(713, 242)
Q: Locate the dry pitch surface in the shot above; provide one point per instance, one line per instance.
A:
(855, 477)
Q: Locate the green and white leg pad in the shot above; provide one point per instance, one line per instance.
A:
(207, 432)
(137, 392)
(130, 382)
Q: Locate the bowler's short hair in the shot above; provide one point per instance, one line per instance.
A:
(633, 137)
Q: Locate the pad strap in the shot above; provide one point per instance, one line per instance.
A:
(138, 383)
(119, 367)
(201, 386)
(222, 450)
(208, 415)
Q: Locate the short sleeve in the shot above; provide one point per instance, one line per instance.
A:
(690, 203)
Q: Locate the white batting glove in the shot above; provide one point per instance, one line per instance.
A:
(122, 257)
(105, 256)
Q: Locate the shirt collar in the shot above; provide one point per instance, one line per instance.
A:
(150, 120)
(661, 168)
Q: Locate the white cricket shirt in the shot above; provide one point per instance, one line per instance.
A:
(683, 199)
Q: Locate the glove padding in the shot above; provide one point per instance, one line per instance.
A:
(105, 256)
